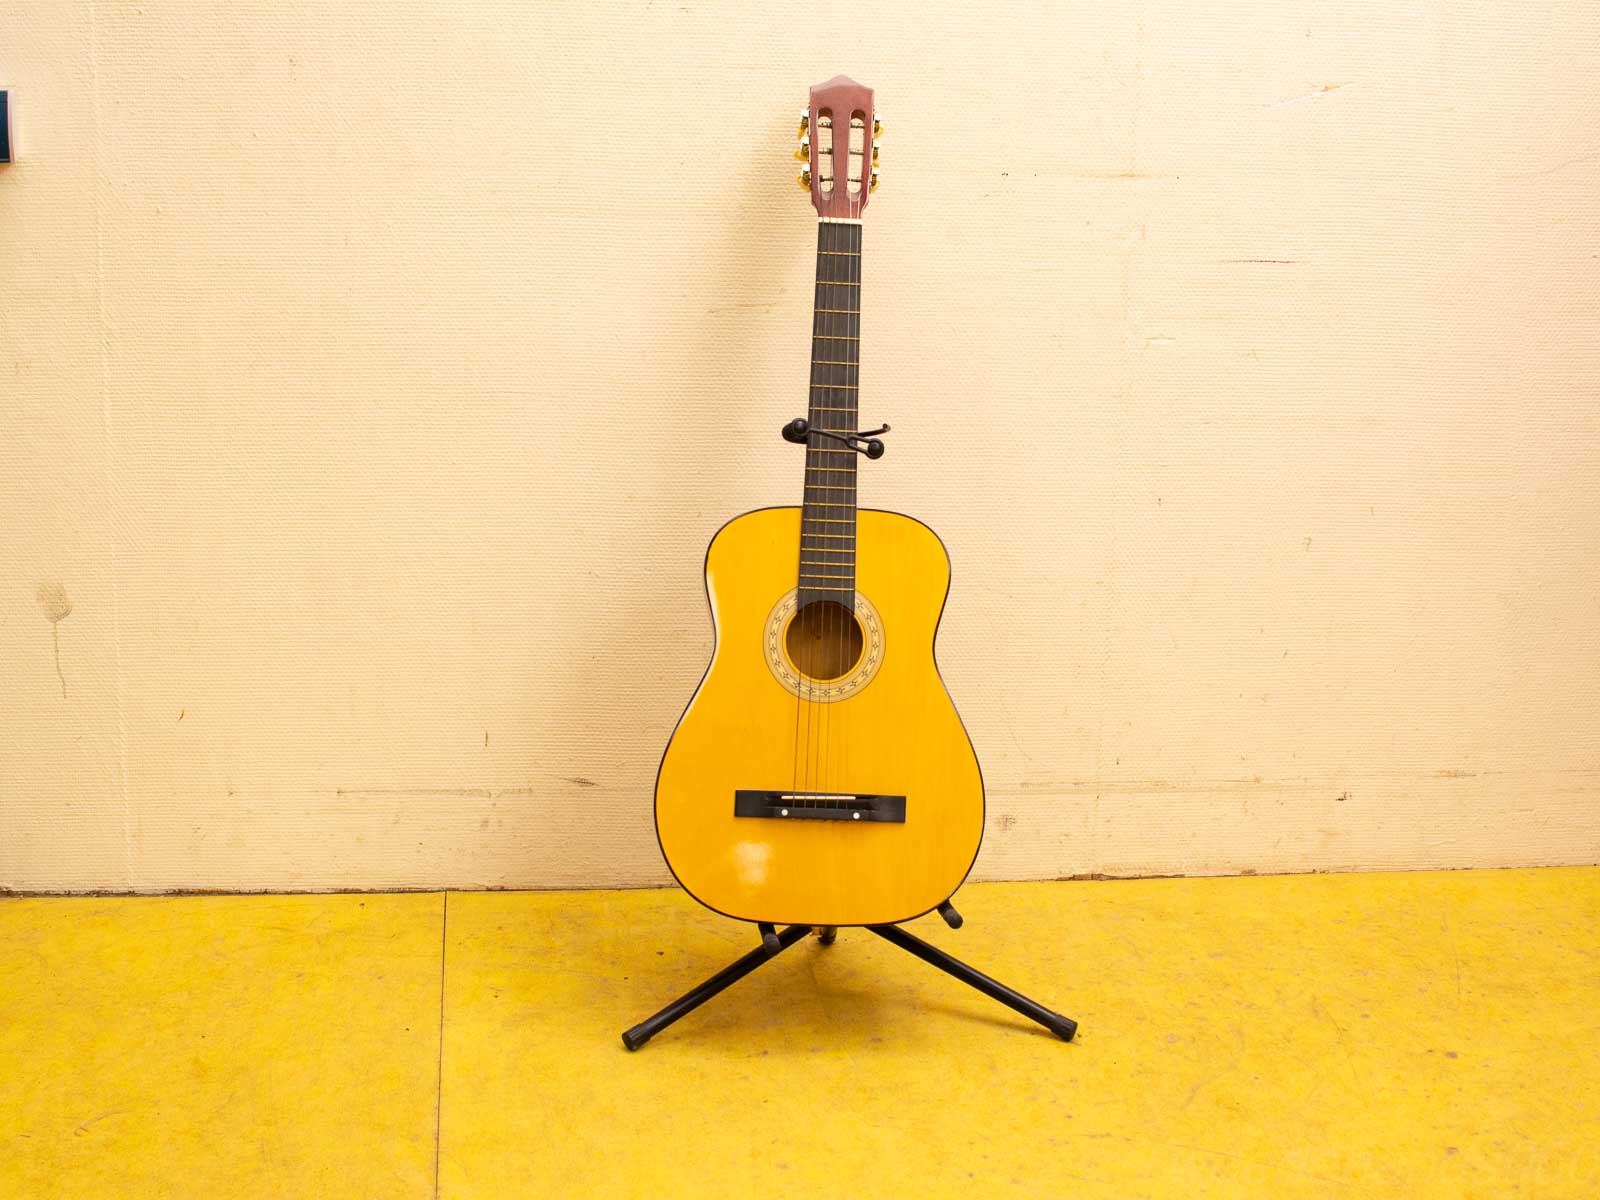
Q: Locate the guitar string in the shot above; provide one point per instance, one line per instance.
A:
(822, 399)
(830, 612)
(802, 707)
(829, 489)
(818, 689)
(814, 630)
(814, 480)
(838, 616)
(852, 373)
(855, 415)
(832, 400)
(836, 613)
(849, 621)
(811, 694)
(826, 490)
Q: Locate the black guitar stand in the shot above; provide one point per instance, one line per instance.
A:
(773, 942)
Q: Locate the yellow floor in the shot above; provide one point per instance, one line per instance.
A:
(1356, 1035)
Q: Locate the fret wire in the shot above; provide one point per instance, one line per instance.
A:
(811, 587)
(849, 537)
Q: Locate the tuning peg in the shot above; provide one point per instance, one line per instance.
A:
(804, 152)
(873, 186)
(874, 151)
(804, 180)
(877, 127)
(805, 122)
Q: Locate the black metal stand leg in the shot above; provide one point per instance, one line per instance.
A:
(1062, 1027)
(826, 934)
(694, 998)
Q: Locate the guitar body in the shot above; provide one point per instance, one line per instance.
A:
(830, 731)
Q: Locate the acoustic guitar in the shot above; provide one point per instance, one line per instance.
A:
(821, 775)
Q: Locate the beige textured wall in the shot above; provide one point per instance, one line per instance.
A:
(372, 376)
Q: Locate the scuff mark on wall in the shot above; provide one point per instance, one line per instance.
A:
(1317, 93)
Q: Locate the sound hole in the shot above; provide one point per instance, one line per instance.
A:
(824, 640)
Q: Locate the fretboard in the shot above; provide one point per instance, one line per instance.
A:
(828, 516)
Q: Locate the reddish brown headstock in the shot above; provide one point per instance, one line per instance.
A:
(838, 144)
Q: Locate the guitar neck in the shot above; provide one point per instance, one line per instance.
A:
(828, 515)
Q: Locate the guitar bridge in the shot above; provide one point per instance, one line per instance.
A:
(820, 806)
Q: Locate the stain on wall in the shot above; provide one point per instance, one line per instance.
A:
(53, 602)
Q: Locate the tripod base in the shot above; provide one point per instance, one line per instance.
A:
(774, 943)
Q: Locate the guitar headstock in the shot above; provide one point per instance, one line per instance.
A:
(839, 145)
